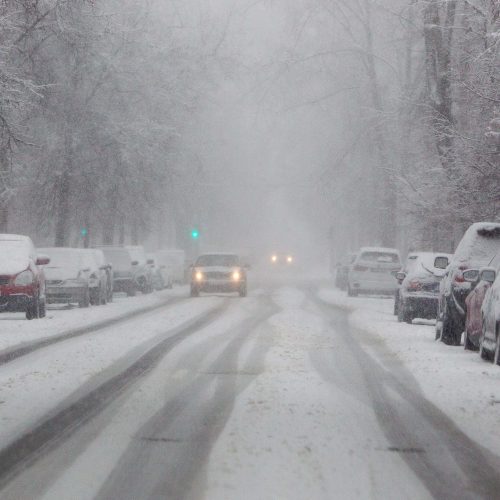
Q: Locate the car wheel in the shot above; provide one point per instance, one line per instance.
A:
(43, 309)
(496, 358)
(483, 352)
(243, 291)
(351, 292)
(33, 309)
(468, 345)
(85, 301)
(131, 292)
(194, 292)
(396, 305)
(104, 298)
(448, 329)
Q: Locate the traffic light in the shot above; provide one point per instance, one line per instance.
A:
(195, 234)
(84, 231)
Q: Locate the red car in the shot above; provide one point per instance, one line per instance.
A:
(22, 282)
(481, 282)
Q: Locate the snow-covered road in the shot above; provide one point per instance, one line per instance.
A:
(276, 396)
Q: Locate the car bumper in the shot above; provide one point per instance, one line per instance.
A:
(422, 306)
(65, 294)
(15, 302)
(384, 284)
(123, 284)
(218, 286)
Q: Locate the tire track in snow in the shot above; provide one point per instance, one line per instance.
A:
(56, 427)
(445, 459)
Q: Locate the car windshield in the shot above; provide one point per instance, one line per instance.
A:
(383, 257)
(12, 248)
(217, 260)
(118, 257)
(63, 258)
(137, 254)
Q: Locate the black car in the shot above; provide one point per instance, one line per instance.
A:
(478, 247)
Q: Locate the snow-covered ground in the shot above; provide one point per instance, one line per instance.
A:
(459, 382)
(15, 329)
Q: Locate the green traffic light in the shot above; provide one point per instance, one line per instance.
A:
(195, 234)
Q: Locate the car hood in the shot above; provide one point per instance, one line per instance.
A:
(13, 265)
(60, 273)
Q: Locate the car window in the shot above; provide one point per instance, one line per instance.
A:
(62, 258)
(385, 257)
(118, 257)
(217, 260)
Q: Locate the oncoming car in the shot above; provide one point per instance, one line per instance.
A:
(218, 272)
(282, 259)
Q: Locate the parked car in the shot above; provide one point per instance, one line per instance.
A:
(481, 280)
(97, 278)
(22, 280)
(99, 287)
(161, 274)
(123, 270)
(489, 343)
(373, 271)
(67, 277)
(419, 291)
(479, 245)
(143, 274)
(175, 262)
(409, 262)
(221, 272)
(342, 270)
(103, 263)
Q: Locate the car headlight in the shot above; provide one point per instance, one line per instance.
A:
(236, 276)
(274, 258)
(198, 276)
(289, 259)
(25, 278)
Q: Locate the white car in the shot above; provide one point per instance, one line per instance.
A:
(374, 271)
(489, 343)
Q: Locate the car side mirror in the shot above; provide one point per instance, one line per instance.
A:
(135, 263)
(400, 276)
(471, 275)
(487, 274)
(441, 262)
(42, 260)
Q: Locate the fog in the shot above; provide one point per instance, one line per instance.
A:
(312, 126)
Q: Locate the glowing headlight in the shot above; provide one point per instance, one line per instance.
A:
(236, 276)
(198, 276)
(274, 258)
(24, 278)
(289, 259)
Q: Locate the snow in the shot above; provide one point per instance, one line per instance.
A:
(35, 384)
(464, 387)
(16, 330)
(301, 436)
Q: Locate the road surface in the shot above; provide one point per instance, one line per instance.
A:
(269, 397)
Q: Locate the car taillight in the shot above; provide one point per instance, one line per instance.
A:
(360, 268)
(414, 286)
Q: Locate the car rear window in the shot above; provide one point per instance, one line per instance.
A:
(481, 246)
(386, 257)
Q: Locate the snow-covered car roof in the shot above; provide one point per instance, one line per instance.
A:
(378, 249)
(479, 244)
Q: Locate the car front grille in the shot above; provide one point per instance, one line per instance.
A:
(4, 280)
(218, 275)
